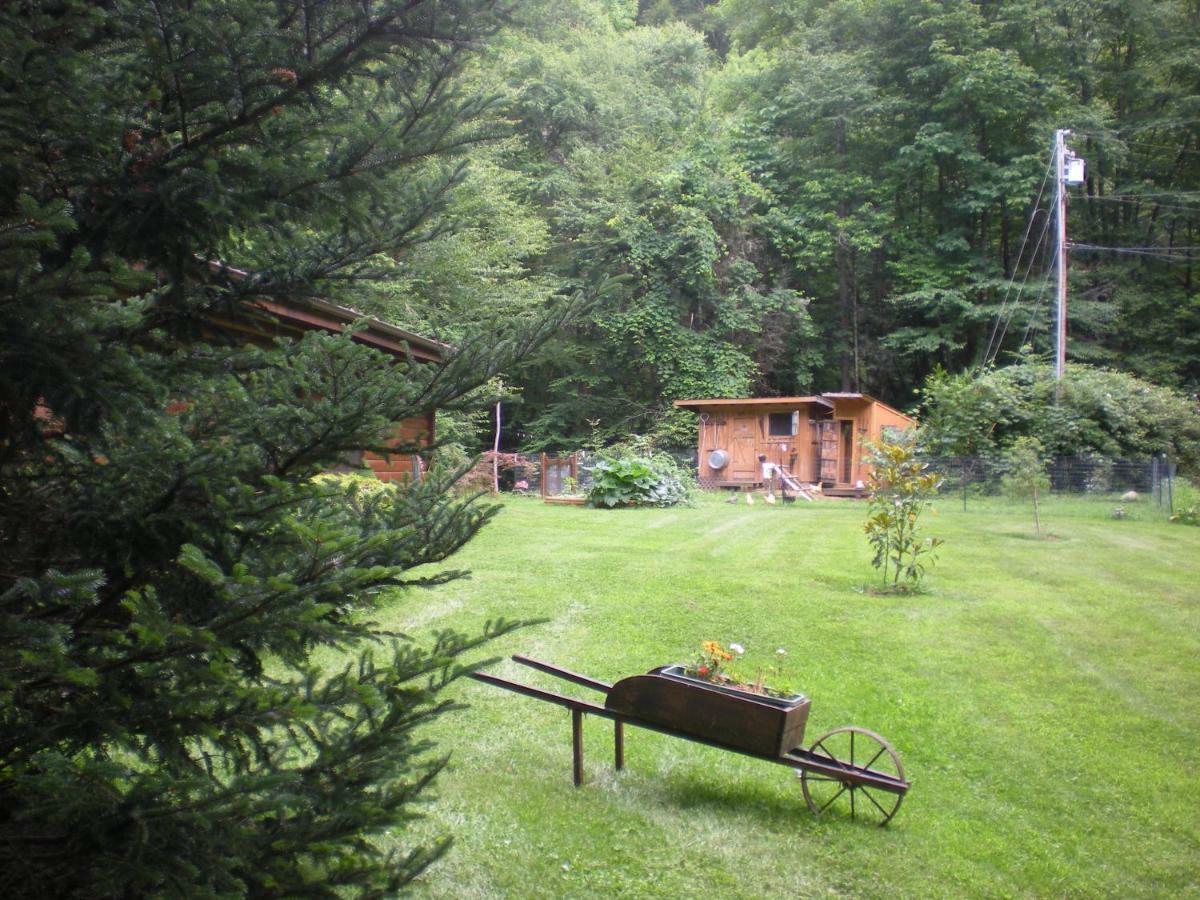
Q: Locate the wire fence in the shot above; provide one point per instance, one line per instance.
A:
(566, 474)
(1068, 475)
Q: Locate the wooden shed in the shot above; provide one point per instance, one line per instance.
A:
(811, 440)
(261, 320)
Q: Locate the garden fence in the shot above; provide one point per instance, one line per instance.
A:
(554, 474)
(1154, 478)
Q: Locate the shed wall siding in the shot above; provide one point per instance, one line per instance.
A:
(742, 430)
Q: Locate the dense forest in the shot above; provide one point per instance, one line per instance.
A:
(808, 195)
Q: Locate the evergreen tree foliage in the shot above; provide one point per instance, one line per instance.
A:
(168, 563)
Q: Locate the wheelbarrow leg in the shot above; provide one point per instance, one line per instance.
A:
(619, 744)
(577, 744)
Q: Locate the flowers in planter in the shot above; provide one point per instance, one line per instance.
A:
(709, 662)
(724, 665)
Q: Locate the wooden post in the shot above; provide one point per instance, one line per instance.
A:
(496, 454)
(577, 744)
(619, 744)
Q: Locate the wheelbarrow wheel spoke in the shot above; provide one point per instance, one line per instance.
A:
(846, 748)
(841, 791)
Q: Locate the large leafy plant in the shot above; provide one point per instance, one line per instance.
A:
(635, 481)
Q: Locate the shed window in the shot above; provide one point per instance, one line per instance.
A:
(782, 424)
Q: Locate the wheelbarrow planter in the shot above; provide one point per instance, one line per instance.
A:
(848, 768)
(740, 720)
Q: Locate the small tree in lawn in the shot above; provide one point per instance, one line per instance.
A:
(1027, 478)
(901, 487)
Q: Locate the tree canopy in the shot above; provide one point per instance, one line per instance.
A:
(811, 195)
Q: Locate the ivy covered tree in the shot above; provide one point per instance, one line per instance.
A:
(168, 563)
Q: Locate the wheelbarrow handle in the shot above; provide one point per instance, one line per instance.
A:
(566, 675)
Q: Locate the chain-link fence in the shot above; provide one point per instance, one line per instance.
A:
(564, 474)
(1068, 475)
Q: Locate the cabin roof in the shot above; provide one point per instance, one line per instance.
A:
(316, 313)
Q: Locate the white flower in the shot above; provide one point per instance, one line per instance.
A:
(781, 652)
(737, 648)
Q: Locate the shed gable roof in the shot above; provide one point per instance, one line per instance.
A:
(787, 403)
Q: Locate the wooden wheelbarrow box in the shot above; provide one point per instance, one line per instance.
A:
(741, 720)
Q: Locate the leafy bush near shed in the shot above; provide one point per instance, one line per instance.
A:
(1187, 503)
(634, 474)
(1096, 412)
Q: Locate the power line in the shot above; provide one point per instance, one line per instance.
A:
(992, 353)
(1137, 201)
(1166, 254)
(1157, 194)
(1116, 138)
(1152, 247)
(988, 354)
(1036, 307)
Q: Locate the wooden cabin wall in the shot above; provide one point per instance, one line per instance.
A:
(417, 430)
(886, 417)
(744, 433)
(858, 414)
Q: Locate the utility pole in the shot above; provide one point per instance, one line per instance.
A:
(1067, 170)
(1060, 261)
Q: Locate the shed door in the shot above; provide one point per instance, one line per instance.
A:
(829, 451)
(745, 459)
(847, 450)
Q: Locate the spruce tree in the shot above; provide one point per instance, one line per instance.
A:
(168, 562)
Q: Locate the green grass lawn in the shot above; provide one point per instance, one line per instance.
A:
(1044, 695)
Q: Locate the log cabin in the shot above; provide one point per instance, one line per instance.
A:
(261, 320)
(816, 440)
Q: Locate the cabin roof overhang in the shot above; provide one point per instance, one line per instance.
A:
(314, 313)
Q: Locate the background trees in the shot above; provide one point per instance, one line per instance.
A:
(834, 194)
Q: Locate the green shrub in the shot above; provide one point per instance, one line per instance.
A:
(901, 487)
(636, 473)
(1091, 412)
(1186, 501)
(1189, 516)
(628, 480)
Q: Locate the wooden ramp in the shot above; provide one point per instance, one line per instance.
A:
(789, 482)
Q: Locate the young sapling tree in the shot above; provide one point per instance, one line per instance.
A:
(1026, 477)
(901, 487)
